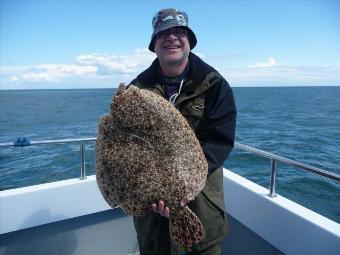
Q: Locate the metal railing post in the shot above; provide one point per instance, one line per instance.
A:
(273, 178)
(82, 161)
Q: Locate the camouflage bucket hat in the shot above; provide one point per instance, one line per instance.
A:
(168, 18)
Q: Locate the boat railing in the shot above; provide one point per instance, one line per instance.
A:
(276, 158)
(22, 142)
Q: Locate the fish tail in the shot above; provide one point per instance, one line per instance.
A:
(185, 228)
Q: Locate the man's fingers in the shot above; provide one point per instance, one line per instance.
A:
(167, 212)
(154, 208)
(161, 207)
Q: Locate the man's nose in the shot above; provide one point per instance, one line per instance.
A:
(171, 36)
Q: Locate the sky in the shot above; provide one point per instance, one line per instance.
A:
(98, 44)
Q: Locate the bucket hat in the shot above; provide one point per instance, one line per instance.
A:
(169, 18)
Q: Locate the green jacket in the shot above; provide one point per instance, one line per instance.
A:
(207, 102)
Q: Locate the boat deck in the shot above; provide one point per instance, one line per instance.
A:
(71, 217)
(110, 232)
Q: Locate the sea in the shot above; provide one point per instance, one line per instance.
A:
(299, 123)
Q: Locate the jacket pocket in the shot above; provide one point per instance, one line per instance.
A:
(193, 110)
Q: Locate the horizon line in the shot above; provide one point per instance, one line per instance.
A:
(260, 86)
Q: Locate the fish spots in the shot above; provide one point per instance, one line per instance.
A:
(146, 151)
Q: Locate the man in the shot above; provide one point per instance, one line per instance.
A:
(205, 99)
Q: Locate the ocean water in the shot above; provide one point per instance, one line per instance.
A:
(300, 123)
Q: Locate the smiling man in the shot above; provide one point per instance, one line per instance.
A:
(172, 48)
(206, 100)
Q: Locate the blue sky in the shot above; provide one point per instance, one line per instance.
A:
(97, 44)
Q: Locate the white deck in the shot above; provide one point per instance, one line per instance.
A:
(286, 225)
(290, 227)
(40, 204)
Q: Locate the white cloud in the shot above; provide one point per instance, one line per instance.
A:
(271, 73)
(44, 73)
(268, 63)
(89, 67)
(108, 64)
(283, 75)
(108, 70)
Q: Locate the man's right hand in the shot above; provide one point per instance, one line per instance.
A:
(163, 210)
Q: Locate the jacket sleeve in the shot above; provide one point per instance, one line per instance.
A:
(133, 82)
(216, 131)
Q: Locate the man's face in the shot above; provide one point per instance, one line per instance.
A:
(172, 46)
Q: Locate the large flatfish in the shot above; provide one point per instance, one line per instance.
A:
(146, 152)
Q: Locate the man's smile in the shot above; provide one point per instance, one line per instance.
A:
(170, 47)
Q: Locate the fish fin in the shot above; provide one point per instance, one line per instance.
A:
(120, 89)
(185, 228)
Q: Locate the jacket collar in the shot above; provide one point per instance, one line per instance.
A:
(198, 70)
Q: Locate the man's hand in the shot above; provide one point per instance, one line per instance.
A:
(163, 210)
